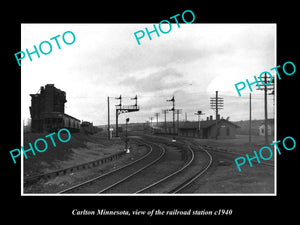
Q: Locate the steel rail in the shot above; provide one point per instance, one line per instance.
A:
(170, 175)
(77, 186)
(196, 176)
(136, 172)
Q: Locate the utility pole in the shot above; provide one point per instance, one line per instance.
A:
(108, 119)
(250, 121)
(165, 113)
(216, 104)
(268, 85)
(173, 109)
(266, 113)
(178, 111)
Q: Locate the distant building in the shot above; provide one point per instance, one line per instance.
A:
(88, 127)
(208, 129)
(262, 130)
(47, 111)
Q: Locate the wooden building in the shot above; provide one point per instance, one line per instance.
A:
(208, 129)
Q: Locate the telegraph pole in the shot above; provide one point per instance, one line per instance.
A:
(216, 103)
(269, 85)
(250, 121)
(217, 111)
(165, 113)
(108, 119)
(178, 111)
(266, 112)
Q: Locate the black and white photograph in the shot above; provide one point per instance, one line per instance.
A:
(150, 113)
(160, 117)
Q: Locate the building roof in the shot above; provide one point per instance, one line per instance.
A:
(66, 115)
(57, 114)
(204, 124)
(263, 125)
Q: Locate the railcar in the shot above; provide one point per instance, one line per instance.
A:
(88, 127)
(55, 121)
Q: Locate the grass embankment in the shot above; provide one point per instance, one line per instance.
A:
(81, 148)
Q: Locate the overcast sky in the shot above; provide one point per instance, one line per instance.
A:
(190, 62)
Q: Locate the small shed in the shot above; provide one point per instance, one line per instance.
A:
(262, 130)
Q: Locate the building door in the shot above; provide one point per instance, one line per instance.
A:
(228, 131)
(205, 133)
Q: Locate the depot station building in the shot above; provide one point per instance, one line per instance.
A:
(206, 129)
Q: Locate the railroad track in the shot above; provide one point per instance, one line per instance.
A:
(122, 186)
(175, 158)
(183, 177)
(180, 188)
(160, 171)
(166, 168)
(105, 181)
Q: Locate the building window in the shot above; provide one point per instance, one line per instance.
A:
(228, 131)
